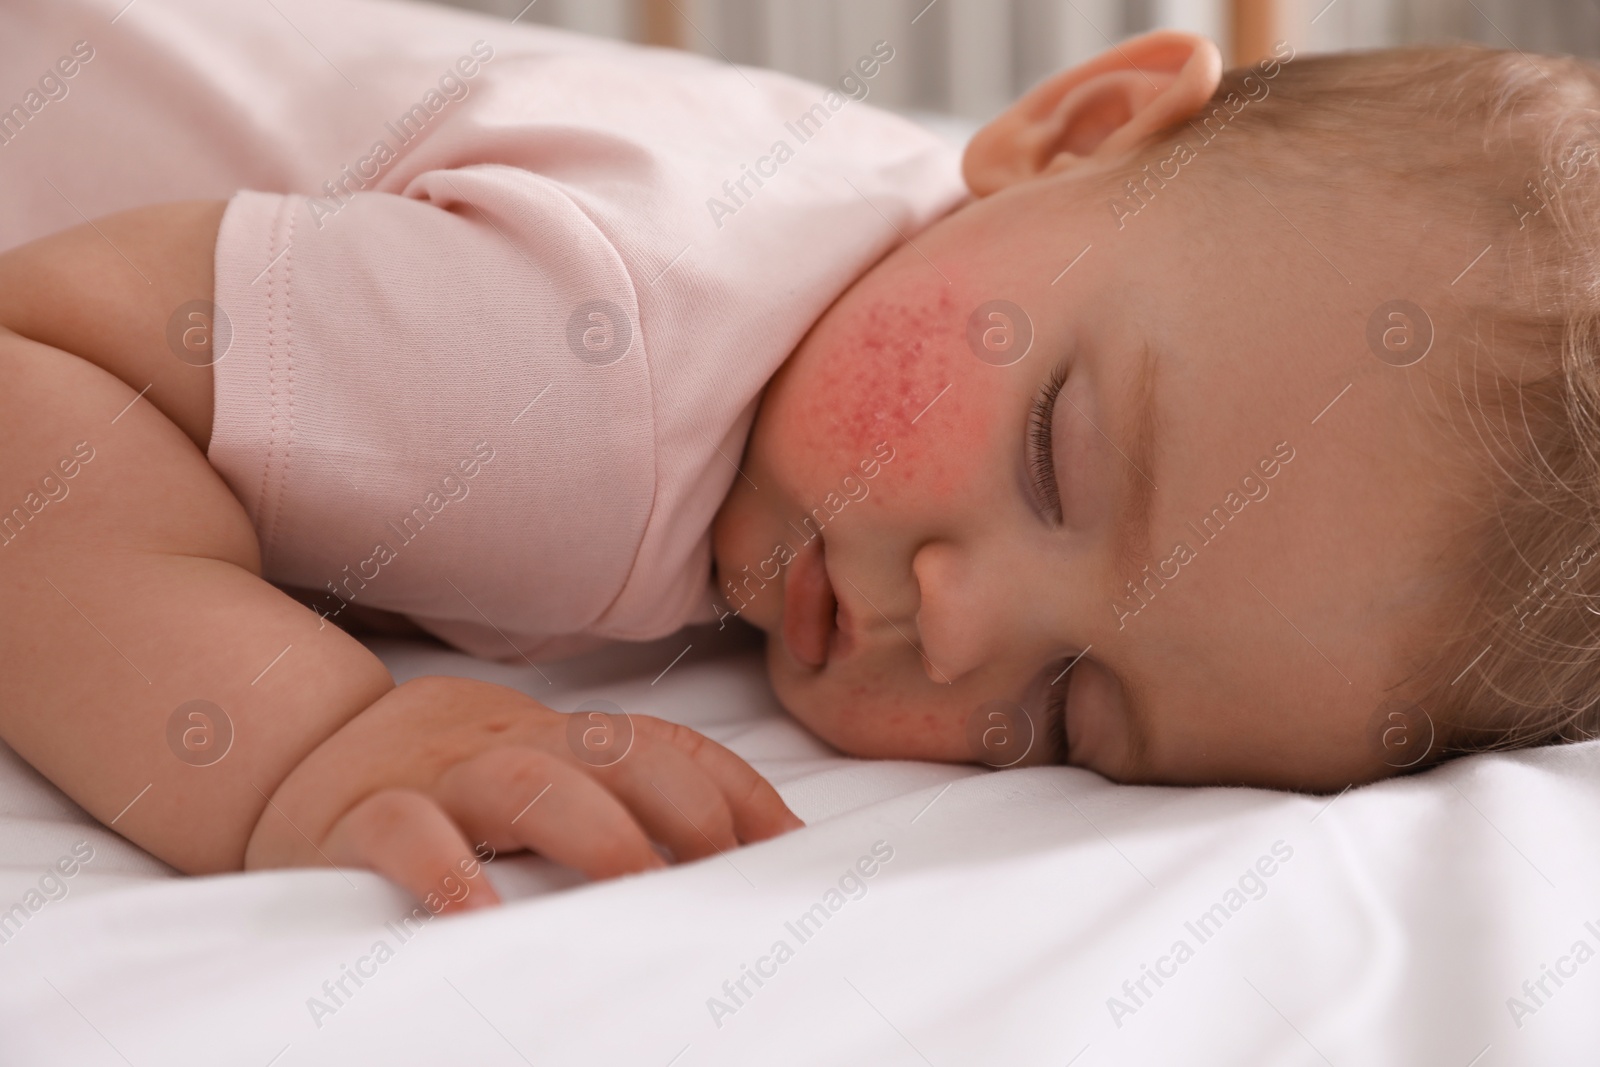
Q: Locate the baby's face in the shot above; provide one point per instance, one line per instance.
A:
(1277, 544)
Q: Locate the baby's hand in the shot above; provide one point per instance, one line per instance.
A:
(439, 763)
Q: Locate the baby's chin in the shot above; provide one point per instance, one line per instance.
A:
(795, 698)
(780, 674)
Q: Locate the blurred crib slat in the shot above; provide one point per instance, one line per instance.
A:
(972, 57)
(607, 18)
(979, 59)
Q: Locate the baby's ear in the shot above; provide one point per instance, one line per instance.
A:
(1096, 110)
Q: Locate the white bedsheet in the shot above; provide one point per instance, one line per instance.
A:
(1397, 921)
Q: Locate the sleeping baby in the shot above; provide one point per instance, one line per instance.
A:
(1189, 426)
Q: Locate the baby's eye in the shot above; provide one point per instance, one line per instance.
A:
(1055, 722)
(1040, 445)
(1057, 683)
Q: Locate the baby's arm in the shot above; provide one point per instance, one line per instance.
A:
(134, 588)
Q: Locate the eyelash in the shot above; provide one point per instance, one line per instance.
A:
(1055, 713)
(1041, 456)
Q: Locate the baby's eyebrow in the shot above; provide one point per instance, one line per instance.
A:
(1133, 517)
(1136, 707)
(1133, 537)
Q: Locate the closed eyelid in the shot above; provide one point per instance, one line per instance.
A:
(1039, 449)
(1133, 710)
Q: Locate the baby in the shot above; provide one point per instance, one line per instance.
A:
(1222, 428)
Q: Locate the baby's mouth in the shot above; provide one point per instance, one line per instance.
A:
(809, 607)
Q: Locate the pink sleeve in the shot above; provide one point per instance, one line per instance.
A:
(418, 385)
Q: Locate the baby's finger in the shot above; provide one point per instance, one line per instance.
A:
(673, 799)
(404, 836)
(541, 802)
(758, 811)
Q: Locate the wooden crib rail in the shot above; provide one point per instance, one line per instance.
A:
(1257, 26)
(1251, 27)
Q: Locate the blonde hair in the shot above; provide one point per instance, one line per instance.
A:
(1506, 145)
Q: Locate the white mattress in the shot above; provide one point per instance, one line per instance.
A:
(1397, 922)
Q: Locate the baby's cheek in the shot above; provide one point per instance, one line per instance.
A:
(892, 384)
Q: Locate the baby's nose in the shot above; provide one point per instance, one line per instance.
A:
(961, 619)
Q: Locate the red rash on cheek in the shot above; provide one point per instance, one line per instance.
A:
(881, 368)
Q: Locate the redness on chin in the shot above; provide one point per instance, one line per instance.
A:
(869, 723)
(902, 735)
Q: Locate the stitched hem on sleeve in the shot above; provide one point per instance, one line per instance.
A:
(253, 381)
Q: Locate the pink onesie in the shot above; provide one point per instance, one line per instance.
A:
(498, 301)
